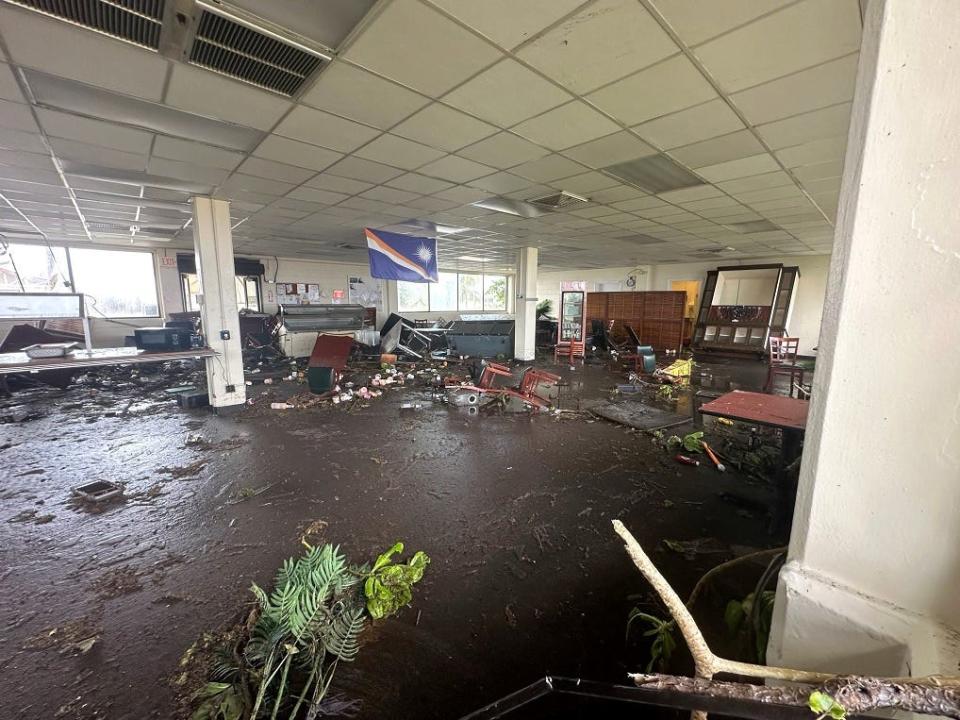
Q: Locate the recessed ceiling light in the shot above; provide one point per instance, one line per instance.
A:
(471, 258)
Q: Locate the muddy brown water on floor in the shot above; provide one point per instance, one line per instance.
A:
(527, 577)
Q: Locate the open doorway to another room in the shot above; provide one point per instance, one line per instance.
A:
(692, 289)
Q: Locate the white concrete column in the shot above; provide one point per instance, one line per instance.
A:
(525, 307)
(213, 245)
(874, 561)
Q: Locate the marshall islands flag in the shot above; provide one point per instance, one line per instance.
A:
(401, 257)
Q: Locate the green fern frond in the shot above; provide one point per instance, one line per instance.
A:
(341, 636)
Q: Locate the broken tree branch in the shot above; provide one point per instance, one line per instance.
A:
(722, 567)
(856, 694)
(938, 691)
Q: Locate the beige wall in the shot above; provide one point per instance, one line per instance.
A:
(613, 279)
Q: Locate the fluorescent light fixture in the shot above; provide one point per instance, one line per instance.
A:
(60, 94)
(471, 258)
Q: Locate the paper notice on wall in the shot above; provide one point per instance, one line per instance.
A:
(366, 291)
(299, 294)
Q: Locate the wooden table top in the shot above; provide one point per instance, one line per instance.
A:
(773, 410)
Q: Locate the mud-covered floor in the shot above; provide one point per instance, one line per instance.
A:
(527, 577)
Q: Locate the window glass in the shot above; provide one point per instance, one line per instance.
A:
(191, 289)
(117, 283)
(39, 268)
(443, 294)
(471, 293)
(412, 297)
(494, 292)
(248, 296)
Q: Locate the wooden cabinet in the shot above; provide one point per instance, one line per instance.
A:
(656, 316)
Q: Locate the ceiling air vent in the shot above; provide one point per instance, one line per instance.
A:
(136, 21)
(655, 174)
(229, 47)
(562, 200)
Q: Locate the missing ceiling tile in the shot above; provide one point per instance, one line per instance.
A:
(654, 174)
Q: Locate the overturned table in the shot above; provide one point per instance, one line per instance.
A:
(19, 362)
(786, 413)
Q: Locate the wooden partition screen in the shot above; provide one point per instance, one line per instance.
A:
(656, 316)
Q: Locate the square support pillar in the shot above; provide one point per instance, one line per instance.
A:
(870, 583)
(525, 308)
(213, 244)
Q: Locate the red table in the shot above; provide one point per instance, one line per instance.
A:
(787, 413)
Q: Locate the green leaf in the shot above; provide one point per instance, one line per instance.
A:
(823, 704)
(733, 616)
(389, 587)
(693, 442)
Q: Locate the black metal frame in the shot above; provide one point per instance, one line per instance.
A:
(578, 687)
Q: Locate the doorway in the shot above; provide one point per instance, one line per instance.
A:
(692, 289)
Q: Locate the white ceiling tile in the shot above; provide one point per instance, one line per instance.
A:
(389, 195)
(770, 193)
(9, 89)
(695, 21)
(817, 125)
(698, 192)
(797, 37)
(503, 150)
(294, 152)
(643, 203)
(61, 49)
(205, 93)
(549, 168)
(831, 185)
(419, 184)
(249, 183)
(739, 168)
(17, 116)
(604, 42)
(320, 128)
(195, 153)
(506, 94)
(501, 183)
(360, 169)
(94, 132)
(432, 204)
(704, 121)
(664, 88)
(441, 127)
(588, 182)
(399, 152)
(84, 153)
(507, 22)
(813, 152)
(717, 150)
(186, 171)
(610, 150)
(274, 170)
(756, 182)
(336, 183)
(420, 48)
(462, 194)
(617, 194)
(819, 171)
(354, 93)
(455, 169)
(567, 125)
(811, 89)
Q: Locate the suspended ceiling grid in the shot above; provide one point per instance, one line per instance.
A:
(425, 108)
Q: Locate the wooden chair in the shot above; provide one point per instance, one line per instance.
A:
(783, 361)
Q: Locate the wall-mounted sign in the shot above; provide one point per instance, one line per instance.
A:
(577, 285)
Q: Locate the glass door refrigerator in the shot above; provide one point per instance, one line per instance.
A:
(573, 305)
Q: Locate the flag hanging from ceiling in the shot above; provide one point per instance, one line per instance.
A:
(401, 257)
